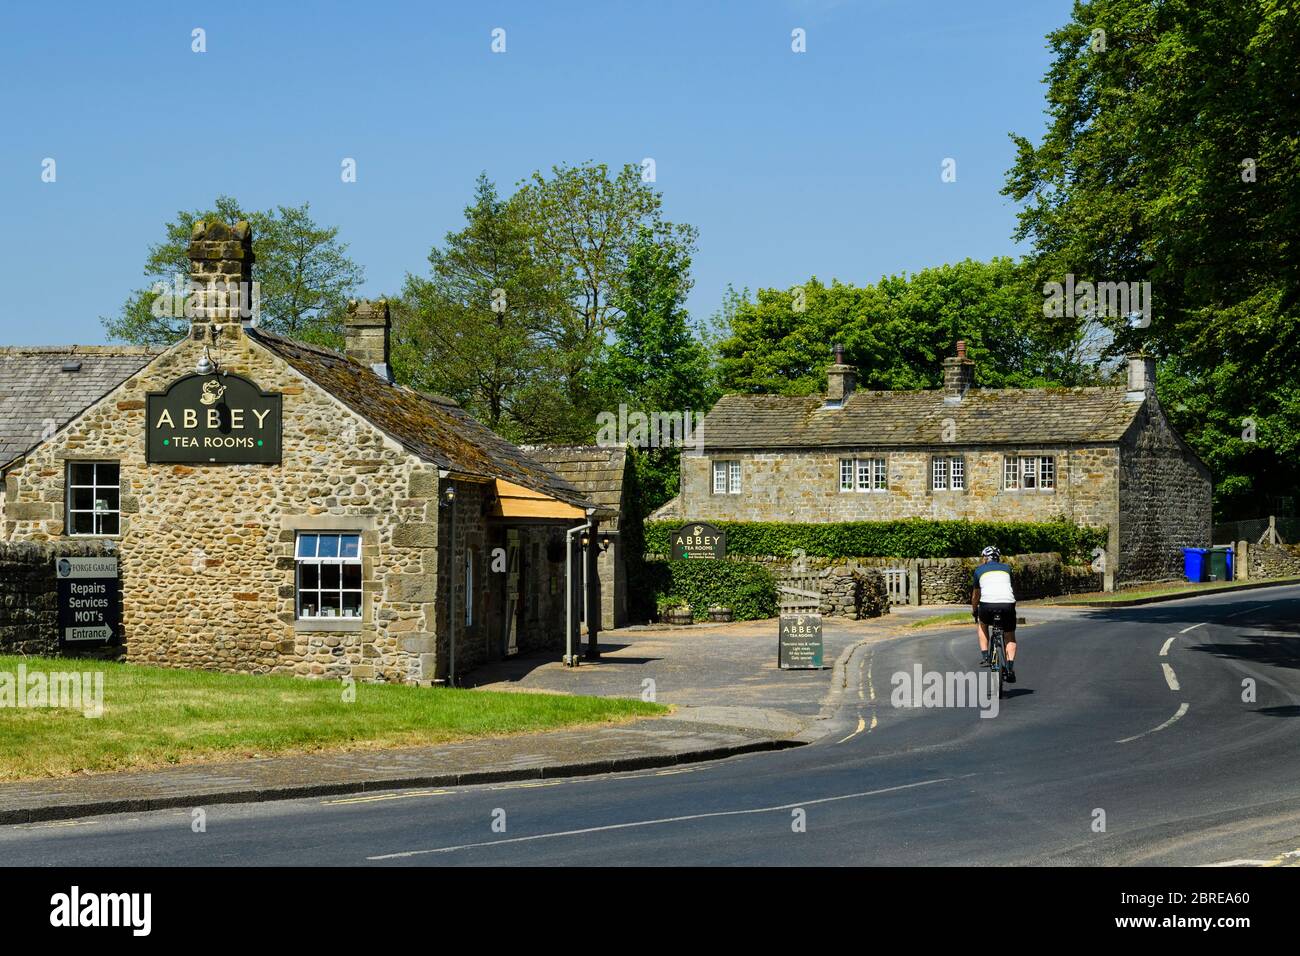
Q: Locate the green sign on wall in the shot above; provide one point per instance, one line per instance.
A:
(218, 418)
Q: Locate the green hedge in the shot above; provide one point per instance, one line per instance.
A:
(748, 589)
(909, 538)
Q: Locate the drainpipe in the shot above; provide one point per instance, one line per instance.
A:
(570, 658)
(449, 499)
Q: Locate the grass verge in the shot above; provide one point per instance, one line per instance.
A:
(1174, 589)
(155, 717)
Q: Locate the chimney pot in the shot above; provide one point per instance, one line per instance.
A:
(958, 374)
(841, 379)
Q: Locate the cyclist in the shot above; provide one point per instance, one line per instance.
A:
(992, 600)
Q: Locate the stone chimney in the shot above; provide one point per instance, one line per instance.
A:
(958, 374)
(1141, 377)
(221, 277)
(366, 335)
(840, 378)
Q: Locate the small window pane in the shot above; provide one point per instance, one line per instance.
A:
(719, 477)
(352, 576)
(735, 478)
(846, 474)
(83, 473)
(351, 603)
(329, 546)
(106, 473)
(83, 499)
(330, 603)
(1029, 473)
(1047, 472)
(107, 524)
(83, 522)
(310, 604)
(350, 546)
(306, 545)
(330, 576)
(309, 576)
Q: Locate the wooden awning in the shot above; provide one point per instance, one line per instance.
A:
(516, 501)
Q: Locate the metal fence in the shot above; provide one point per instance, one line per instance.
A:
(1254, 529)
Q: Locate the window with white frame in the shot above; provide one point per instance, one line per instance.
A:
(329, 574)
(863, 474)
(947, 473)
(94, 498)
(726, 477)
(1029, 472)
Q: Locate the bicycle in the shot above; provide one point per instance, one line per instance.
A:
(998, 654)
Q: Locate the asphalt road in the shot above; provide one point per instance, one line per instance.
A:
(1129, 718)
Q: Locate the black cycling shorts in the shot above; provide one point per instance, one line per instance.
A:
(1000, 614)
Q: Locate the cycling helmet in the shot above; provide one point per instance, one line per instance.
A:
(991, 552)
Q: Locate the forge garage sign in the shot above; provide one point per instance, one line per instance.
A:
(90, 600)
(219, 418)
(698, 540)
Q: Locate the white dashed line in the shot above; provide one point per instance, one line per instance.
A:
(1249, 610)
(1193, 627)
(1181, 710)
(1164, 651)
(1170, 677)
(663, 820)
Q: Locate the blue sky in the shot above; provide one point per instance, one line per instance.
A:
(823, 163)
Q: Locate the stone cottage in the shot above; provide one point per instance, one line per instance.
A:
(1105, 457)
(283, 508)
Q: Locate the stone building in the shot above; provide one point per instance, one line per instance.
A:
(1105, 457)
(283, 508)
(602, 474)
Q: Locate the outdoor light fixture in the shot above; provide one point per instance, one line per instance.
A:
(205, 364)
(450, 494)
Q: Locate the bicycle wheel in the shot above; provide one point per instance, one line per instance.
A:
(999, 660)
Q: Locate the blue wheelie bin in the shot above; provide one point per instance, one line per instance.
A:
(1196, 565)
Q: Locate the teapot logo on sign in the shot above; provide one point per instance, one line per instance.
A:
(223, 419)
(698, 540)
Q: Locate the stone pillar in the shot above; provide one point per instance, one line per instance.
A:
(366, 331)
(840, 378)
(1241, 561)
(221, 278)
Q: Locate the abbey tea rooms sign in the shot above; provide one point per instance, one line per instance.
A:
(698, 540)
(219, 418)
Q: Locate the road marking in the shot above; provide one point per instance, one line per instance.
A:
(1170, 677)
(1181, 710)
(1164, 651)
(379, 797)
(1249, 610)
(862, 725)
(1193, 627)
(664, 820)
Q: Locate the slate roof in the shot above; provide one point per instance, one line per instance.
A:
(436, 429)
(595, 470)
(985, 416)
(35, 391)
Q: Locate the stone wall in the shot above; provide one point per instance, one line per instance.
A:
(1274, 561)
(29, 613)
(949, 580)
(804, 487)
(1165, 498)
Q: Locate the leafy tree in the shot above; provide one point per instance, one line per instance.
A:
(1171, 157)
(482, 327)
(896, 332)
(304, 274)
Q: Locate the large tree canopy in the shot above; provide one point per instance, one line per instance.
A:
(1172, 157)
(897, 332)
(303, 272)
